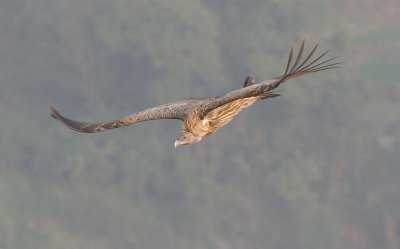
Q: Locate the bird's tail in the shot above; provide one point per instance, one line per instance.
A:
(305, 67)
(268, 95)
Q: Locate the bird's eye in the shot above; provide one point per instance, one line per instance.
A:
(184, 137)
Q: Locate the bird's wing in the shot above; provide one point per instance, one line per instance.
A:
(298, 68)
(174, 110)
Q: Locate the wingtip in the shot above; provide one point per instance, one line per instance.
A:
(53, 112)
(52, 109)
(289, 61)
(316, 46)
(305, 66)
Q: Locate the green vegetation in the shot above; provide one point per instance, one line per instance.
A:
(315, 168)
(381, 34)
(382, 71)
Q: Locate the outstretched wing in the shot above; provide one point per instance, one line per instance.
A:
(298, 68)
(175, 110)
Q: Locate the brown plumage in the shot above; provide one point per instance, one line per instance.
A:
(203, 116)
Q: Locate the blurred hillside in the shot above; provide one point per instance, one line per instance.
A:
(316, 168)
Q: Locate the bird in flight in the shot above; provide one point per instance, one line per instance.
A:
(202, 117)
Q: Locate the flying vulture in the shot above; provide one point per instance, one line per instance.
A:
(202, 117)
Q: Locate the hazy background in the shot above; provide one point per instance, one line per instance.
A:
(318, 167)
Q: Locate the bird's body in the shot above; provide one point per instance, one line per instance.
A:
(215, 119)
(204, 116)
(204, 126)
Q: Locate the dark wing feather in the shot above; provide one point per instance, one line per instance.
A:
(291, 71)
(175, 110)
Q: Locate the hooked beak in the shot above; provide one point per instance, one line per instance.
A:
(178, 143)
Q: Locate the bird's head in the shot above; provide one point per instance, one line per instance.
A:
(186, 138)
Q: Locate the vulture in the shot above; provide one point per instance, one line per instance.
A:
(202, 117)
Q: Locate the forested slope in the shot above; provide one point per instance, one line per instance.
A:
(315, 168)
